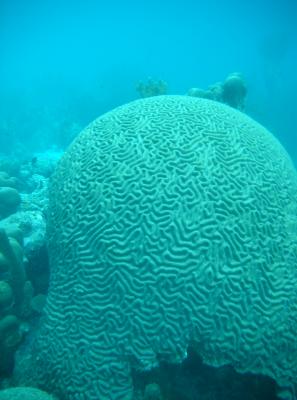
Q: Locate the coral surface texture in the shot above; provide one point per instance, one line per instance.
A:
(172, 221)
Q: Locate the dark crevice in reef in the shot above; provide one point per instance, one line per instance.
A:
(38, 271)
(193, 380)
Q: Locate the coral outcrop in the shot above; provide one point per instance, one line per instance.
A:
(12, 282)
(6, 180)
(232, 91)
(172, 221)
(23, 257)
(9, 201)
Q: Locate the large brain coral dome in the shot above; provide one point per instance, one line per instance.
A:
(172, 221)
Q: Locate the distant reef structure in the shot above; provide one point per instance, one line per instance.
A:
(232, 91)
(172, 223)
(24, 270)
(152, 87)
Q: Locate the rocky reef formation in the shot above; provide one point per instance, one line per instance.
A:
(232, 91)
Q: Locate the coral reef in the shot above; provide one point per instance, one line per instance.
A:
(152, 88)
(9, 167)
(6, 295)
(24, 270)
(172, 221)
(12, 281)
(40, 166)
(11, 255)
(10, 198)
(232, 91)
(29, 220)
(9, 201)
(6, 180)
(24, 393)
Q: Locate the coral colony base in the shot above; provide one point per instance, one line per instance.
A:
(172, 222)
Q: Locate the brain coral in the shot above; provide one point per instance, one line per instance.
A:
(172, 221)
(24, 393)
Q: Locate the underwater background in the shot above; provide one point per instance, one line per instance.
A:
(65, 63)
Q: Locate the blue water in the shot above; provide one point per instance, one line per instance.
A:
(63, 63)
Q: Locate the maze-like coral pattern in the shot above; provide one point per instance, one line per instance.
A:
(172, 221)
